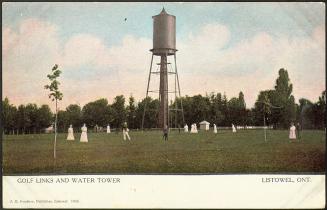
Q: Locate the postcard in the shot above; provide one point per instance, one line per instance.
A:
(163, 105)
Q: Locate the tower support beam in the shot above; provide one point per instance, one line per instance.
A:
(163, 90)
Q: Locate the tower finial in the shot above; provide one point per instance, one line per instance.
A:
(163, 11)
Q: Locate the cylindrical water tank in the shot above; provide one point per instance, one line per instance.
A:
(164, 34)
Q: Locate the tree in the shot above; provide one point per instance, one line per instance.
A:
(200, 108)
(250, 117)
(9, 114)
(62, 122)
(305, 114)
(234, 111)
(281, 98)
(284, 99)
(187, 108)
(31, 111)
(312, 115)
(319, 110)
(131, 112)
(266, 111)
(54, 95)
(283, 86)
(262, 109)
(237, 109)
(119, 111)
(217, 116)
(21, 118)
(97, 113)
(151, 114)
(224, 109)
(242, 108)
(175, 114)
(74, 115)
(44, 116)
(289, 111)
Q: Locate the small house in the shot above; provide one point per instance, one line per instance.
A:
(204, 125)
(49, 129)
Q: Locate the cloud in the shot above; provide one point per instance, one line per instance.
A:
(202, 48)
(27, 54)
(105, 71)
(207, 61)
(319, 36)
(132, 54)
(91, 69)
(252, 64)
(84, 49)
(8, 40)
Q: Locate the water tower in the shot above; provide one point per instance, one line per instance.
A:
(164, 46)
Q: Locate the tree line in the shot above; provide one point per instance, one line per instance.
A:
(276, 106)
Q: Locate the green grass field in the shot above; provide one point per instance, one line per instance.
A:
(205, 152)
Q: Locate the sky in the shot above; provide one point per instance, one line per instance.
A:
(222, 47)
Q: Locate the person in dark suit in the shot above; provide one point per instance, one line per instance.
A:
(165, 133)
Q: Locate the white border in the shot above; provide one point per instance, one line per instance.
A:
(167, 191)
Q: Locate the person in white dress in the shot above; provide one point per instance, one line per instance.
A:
(70, 133)
(84, 134)
(194, 128)
(108, 128)
(292, 134)
(185, 128)
(234, 129)
(214, 128)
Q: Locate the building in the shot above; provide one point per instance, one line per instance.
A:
(49, 129)
(204, 125)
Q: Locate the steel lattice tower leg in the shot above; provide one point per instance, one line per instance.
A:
(147, 92)
(179, 89)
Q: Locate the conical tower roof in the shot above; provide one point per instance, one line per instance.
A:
(163, 12)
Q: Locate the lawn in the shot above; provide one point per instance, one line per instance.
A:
(205, 152)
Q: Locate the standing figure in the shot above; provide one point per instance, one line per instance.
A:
(84, 134)
(194, 129)
(70, 133)
(108, 128)
(165, 133)
(95, 129)
(292, 134)
(214, 128)
(298, 130)
(179, 128)
(125, 131)
(234, 129)
(185, 128)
